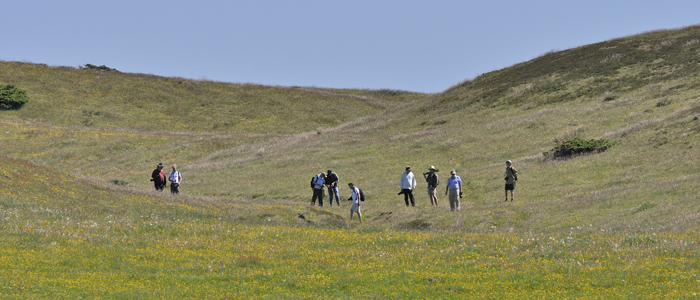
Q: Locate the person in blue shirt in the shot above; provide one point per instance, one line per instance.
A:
(319, 184)
(454, 187)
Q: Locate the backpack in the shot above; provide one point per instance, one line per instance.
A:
(362, 195)
(312, 181)
(515, 176)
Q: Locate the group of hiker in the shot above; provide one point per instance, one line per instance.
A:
(408, 183)
(160, 181)
(329, 180)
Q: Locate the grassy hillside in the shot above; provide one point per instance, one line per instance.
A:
(640, 91)
(114, 100)
(79, 218)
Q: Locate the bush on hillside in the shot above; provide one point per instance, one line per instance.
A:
(97, 68)
(578, 146)
(11, 97)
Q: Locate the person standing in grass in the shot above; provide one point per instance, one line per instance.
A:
(175, 181)
(454, 186)
(319, 182)
(408, 183)
(332, 183)
(433, 182)
(356, 201)
(158, 178)
(511, 177)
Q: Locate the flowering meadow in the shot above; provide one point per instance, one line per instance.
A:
(64, 238)
(80, 220)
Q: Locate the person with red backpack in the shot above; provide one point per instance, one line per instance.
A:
(158, 178)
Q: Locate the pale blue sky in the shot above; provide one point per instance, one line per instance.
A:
(424, 46)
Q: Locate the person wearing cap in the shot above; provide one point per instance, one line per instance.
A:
(511, 177)
(454, 186)
(175, 180)
(332, 183)
(408, 183)
(158, 178)
(319, 182)
(432, 178)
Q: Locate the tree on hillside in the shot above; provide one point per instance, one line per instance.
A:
(11, 97)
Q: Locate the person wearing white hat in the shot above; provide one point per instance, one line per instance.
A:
(432, 178)
(511, 177)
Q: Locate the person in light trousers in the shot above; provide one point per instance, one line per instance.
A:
(454, 187)
(356, 201)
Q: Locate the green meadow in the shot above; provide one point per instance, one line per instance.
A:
(80, 219)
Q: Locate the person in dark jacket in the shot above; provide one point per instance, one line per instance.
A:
(158, 178)
(332, 184)
(511, 176)
(433, 182)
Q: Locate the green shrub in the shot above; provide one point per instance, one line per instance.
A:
(98, 68)
(11, 97)
(578, 146)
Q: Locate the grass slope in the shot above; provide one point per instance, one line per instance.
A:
(639, 90)
(114, 100)
(79, 219)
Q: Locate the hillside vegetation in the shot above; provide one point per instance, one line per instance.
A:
(114, 100)
(254, 143)
(80, 219)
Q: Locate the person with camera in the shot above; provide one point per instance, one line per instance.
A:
(356, 201)
(319, 182)
(432, 178)
(511, 177)
(175, 180)
(332, 183)
(454, 187)
(408, 183)
(158, 178)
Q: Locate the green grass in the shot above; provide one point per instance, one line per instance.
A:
(373, 143)
(67, 238)
(620, 223)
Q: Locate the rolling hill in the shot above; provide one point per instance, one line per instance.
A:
(244, 143)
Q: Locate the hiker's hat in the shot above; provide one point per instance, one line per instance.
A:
(431, 168)
(509, 162)
(408, 168)
(160, 165)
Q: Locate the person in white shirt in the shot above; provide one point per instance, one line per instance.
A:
(175, 180)
(356, 201)
(319, 184)
(408, 183)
